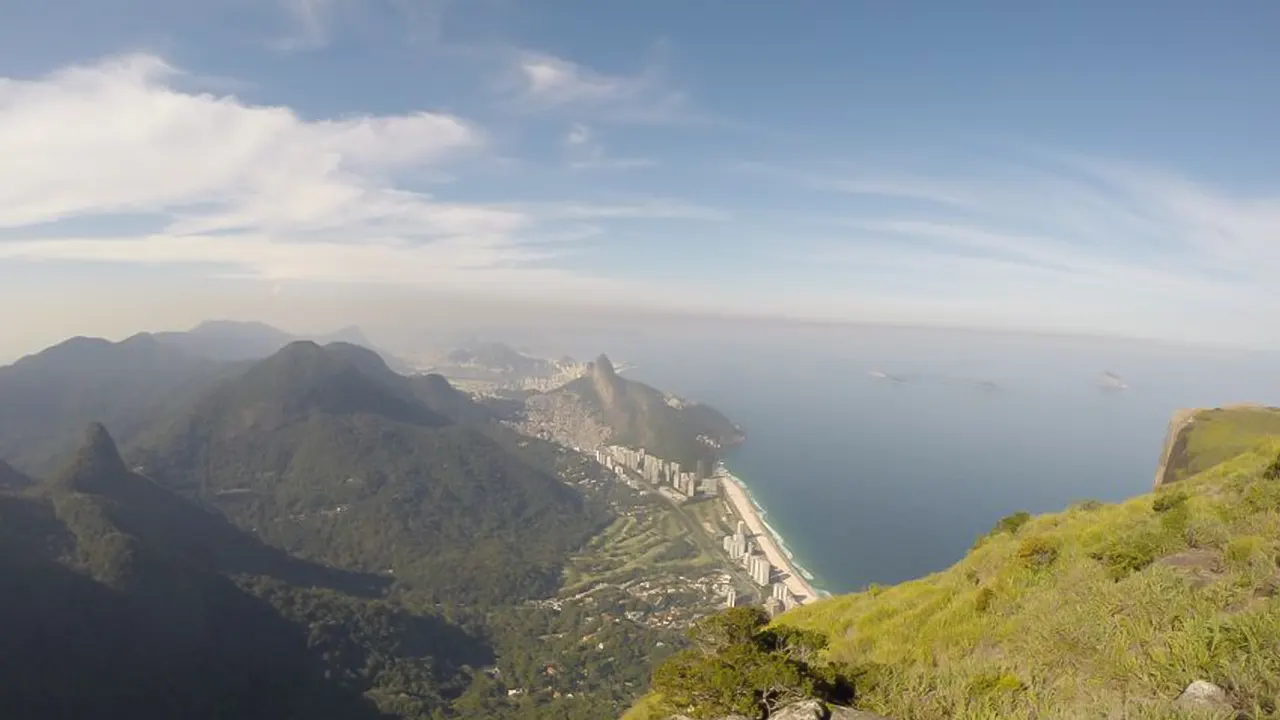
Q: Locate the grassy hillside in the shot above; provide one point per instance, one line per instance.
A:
(1210, 437)
(1100, 611)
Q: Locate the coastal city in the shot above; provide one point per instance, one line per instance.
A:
(750, 545)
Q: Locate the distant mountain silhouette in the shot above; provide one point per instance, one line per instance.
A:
(11, 479)
(233, 340)
(498, 358)
(228, 340)
(46, 399)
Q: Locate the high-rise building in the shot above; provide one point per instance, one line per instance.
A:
(731, 599)
(780, 591)
(742, 528)
(710, 487)
(701, 469)
(761, 570)
(773, 606)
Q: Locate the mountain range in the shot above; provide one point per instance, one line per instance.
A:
(47, 398)
(292, 525)
(253, 530)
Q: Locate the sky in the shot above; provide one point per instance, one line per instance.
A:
(1098, 168)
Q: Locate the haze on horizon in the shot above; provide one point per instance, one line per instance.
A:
(1082, 169)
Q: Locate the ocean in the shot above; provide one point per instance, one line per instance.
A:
(874, 479)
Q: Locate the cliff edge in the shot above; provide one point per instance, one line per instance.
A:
(1200, 438)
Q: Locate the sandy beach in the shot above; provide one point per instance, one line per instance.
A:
(737, 496)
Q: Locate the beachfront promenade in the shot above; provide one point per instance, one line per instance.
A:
(737, 496)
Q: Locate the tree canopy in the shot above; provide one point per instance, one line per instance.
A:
(738, 664)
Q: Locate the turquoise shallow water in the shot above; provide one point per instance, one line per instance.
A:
(869, 480)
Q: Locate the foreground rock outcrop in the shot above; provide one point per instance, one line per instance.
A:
(809, 710)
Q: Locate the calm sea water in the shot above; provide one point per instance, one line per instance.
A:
(869, 480)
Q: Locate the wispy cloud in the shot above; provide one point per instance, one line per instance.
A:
(1079, 242)
(628, 209)
(308, 24)
(584, 152)
(250, 190)
(544, 82)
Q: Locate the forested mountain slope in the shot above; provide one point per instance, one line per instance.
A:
(324, 452)
(118, 603)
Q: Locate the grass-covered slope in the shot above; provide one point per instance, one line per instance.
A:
(1099, 611)
(1207, 437)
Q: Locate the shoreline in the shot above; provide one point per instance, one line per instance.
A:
(793, 576)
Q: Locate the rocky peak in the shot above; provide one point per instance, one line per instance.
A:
(603, 368)
(11, 479)
(95, 464)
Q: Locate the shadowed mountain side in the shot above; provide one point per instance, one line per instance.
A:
(11, 479)
(327, 454)
(96, 485)
(46, 399)
(101, 621)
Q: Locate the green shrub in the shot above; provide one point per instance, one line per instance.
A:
(988, 684)
(985, 597)
(1168, 500)
(1174, 520)
(1087, 505)
(1240, 551)
(1012, 523)
(1008, 524)
(1038, 552)
(1262, 497)
(740, 665)
(1273, 470)
(1127, 555)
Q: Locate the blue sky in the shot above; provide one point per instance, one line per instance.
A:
(1106, 168)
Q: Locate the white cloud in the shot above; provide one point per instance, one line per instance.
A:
(255, 191)
(583, 152)
(1086, 246)
(578, 135)
(546, 82)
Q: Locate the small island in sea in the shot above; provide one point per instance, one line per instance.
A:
(1111, 381)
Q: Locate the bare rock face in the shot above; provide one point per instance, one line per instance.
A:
(1204, 697)
(803, 710)
(844, 713)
